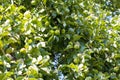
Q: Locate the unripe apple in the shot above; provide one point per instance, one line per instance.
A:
(47, 23)
(52, 31)
(33, 2)
(23, 50)
(63, 31)
(57, 32)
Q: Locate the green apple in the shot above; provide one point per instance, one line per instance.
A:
(33, 2)
(63, 31)
(47, 23)
(23, 50)
(57, 32)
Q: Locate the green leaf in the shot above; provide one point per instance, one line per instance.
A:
(32, 79)
(76, 37)
(19, 78)
(5, 34)
(44, 1)
(1, 44)
(2, 76)
(73, 66)
(88, 78)
(51, 39)
(117, 56)
(9, 50)
(12, 40)
(7, 75)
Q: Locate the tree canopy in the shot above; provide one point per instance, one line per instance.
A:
(59, 39)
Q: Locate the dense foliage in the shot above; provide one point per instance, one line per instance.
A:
(59, 40)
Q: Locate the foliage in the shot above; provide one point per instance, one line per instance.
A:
(85, 33)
